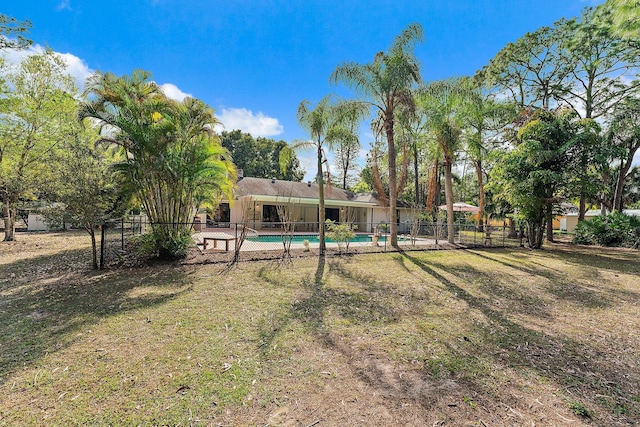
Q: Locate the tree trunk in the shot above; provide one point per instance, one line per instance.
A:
(479, 177)
(448, 191)
(513, 233)
(535, 230)
(323, 245)
(9, 217)
(416, 182)
(622, 174)
(94, 247)
(432, 187)
(393, 196)
(583, 208)
(377, 180)
(549, 222)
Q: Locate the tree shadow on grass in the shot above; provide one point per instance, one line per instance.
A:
(43, 313)
(370, 303)
(464, 363)
(571, 363)
(495, 292)
(567, 287)
(544, 272)
(357, 307)
(624, 261)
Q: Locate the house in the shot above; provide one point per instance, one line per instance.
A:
(256, 200)
(569, 221)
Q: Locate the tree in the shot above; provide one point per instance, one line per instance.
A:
(348, 148)
(345, 162)
(441, 103)
(325, 126)
(171, 155)
(624, 135)
(537, 170)
(603, 66)
(483, 118)
(413, 134)
(531, 70)
(623, 17)
(260, 157)
(86, 191)
(580, 63)
(36, 114)
(10, 26)
(385, 84)
(603, 69)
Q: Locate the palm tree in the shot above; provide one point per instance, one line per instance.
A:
(327, 124)
(482, 115)
(385, 84)
(441, 101)
(413, 136)
(173, 160)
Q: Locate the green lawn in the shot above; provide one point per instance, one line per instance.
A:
(461, 337)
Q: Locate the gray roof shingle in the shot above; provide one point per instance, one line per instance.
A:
(275, 187)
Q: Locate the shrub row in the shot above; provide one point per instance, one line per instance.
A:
(616, 229)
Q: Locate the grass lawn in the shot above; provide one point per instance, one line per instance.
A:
(461, 337)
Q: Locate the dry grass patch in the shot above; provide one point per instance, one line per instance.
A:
(465, 337)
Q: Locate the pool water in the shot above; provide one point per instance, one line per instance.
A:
(312, 238)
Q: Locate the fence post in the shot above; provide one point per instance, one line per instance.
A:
(102, 246)
(386, 238)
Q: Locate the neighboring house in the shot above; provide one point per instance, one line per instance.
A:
(259, 198)
(36, 222)
(569, 221)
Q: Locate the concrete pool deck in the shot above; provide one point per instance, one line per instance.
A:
(249, 245)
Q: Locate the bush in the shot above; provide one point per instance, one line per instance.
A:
(616, 229)
(165, 247)
(340, 233)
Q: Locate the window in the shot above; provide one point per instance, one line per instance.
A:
(270, 214)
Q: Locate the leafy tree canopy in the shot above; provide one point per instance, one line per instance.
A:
(9, 27)
(260, 157)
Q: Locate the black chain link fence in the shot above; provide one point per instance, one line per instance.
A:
(222, 239)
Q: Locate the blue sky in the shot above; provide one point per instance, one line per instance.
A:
(254, 61)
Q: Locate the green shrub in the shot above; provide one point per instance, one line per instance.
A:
(340, 233)
(616, 229)
(165, 246)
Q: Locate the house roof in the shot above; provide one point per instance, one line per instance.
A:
(270, 188)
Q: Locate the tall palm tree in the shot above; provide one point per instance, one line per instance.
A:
(441, 102)
(327, 124)
(482, 116)
(413, 135)
(384, 84)
(173, 160)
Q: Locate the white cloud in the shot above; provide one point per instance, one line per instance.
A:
(76, 67)
(309, 164)
(172, 91)
(362, 155)
(245, 120)
(64, 5)
(79, 70)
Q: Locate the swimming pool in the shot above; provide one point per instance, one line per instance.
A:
(312, 238)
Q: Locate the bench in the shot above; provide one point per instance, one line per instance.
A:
(215, 241)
